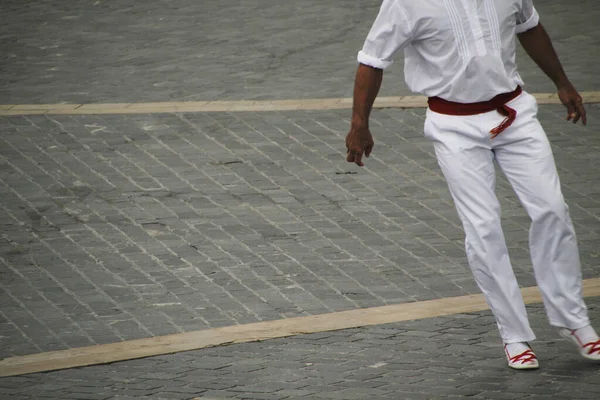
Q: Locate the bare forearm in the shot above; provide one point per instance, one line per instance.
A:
(366, 86)
(538, 45)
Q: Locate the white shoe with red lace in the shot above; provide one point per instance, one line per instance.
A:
(587, 342)
(522, 360)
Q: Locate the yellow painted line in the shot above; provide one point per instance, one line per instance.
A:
(133, 349)
(241, 105)
(167, 104)
(93, 108)
(44, 107)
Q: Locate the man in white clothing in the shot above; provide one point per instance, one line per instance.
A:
(461, 55)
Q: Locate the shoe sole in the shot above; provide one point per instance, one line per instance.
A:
(524, 368)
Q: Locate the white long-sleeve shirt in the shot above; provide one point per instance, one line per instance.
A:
(459, 50)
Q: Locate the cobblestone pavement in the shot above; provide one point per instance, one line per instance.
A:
(120, 227)
(444, 358)
(123, 227)
(161, 50)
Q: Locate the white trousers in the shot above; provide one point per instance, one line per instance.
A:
(466, 154)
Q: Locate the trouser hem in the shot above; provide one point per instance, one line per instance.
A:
(519, 339)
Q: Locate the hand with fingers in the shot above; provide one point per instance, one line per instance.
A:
(572, 100)
(359, 141)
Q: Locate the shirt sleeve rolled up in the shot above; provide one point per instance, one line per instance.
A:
(527, 18)
(390, 32)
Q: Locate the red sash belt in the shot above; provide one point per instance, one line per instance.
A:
(498, 103)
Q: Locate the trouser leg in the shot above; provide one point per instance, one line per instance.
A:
(465, 156)
(525, 156)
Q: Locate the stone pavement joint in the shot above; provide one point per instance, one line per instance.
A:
(241, 105)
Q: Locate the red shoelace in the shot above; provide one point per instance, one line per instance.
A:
(595, 347)
(525, 357)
